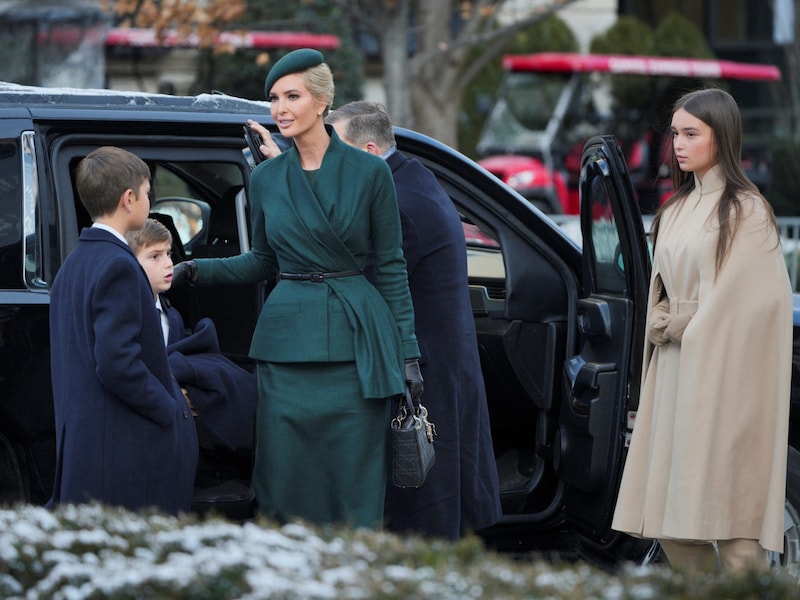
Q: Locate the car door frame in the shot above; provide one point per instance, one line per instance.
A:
(602, 380)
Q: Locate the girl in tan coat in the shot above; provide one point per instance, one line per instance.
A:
(707, 461)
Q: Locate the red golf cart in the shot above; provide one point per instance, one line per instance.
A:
(551, 103)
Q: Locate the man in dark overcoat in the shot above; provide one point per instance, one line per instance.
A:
(461, 492)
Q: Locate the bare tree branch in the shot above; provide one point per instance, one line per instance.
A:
(424, 90)
(470, 38)
(185, 16)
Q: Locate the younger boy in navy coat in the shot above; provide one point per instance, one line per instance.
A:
(124, 431)
(223, 394)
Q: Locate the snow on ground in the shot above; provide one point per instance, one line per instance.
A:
(90, 552)
(82, 552)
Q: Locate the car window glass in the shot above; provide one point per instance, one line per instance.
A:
(201, 198)
(10, 216)
(32, 250)
(189, 217)
(607, 258)
(195, 198)
(169, 183)
(485, 264)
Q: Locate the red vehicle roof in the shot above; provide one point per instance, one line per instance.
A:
(640, 65)
(146, 38)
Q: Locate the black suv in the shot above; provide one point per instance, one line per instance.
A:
(560, 330)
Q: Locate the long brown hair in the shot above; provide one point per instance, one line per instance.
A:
(717, 109)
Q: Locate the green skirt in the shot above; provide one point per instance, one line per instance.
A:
(320, 446)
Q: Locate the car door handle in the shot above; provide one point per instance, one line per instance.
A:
(588, 375)
(594, 318)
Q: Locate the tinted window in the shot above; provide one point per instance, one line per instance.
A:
(10, 215)
(607, 258)
(485, 266)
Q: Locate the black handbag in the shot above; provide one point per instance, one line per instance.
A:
(412, 444)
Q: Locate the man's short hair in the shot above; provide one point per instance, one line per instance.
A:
(104, 175)
(365, 122)
(153, 232)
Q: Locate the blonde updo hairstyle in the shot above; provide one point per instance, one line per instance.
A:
(319, 81)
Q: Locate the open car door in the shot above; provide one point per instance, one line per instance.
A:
(602, 379)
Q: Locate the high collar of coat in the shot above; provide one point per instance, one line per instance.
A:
(712, 181)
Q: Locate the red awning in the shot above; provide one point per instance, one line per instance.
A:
(640, 65)
(146, 38)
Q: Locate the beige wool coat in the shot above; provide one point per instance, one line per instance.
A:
(707, 459)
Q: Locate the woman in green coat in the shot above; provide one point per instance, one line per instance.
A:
(332, 348)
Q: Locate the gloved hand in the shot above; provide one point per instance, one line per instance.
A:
(657, 320)
(414, 379)
(184, 273)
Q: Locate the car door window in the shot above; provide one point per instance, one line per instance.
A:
(211, 179)
(33, 261)
(606, 257)
(485, 265)
(10, 216)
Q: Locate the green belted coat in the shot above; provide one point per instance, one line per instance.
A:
(324, 221)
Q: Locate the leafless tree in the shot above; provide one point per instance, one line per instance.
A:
(424, 89)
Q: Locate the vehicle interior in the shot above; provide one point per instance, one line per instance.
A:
(522, 295)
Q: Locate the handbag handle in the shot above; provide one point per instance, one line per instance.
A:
(419, 413)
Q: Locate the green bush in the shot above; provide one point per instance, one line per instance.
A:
(88, 552)
(628, 35)
(678, 36)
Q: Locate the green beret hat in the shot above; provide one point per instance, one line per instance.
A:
(294, 62)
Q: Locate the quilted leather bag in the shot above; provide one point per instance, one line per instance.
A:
(412, 444)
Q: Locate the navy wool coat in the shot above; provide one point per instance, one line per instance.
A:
(461, 493)
(223, 393)
(124, 432)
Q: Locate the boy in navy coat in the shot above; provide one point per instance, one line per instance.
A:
(223, 394)
(124, 431)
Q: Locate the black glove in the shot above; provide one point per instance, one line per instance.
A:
(414, 379)
(183, 273)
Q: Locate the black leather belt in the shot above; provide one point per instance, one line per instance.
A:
(317, 277)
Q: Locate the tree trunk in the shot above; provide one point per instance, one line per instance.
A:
(394, 52)
(435, 114)
(435, 99)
